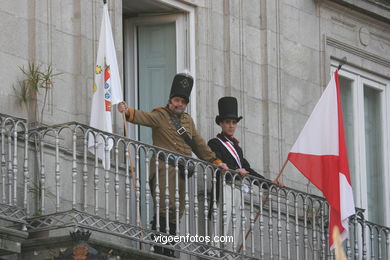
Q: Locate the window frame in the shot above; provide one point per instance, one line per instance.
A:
(362, 78)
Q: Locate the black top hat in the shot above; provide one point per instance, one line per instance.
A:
(182, 86)
(227, 107)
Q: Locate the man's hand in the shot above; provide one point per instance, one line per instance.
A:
(242, 171)
(279, 182)
(122, 107)
(223, 166)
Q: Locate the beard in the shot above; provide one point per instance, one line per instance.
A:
(178, 110)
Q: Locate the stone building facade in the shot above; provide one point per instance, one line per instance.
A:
(275, 56)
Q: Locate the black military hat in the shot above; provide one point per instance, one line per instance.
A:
(227, 107)
(182, 86)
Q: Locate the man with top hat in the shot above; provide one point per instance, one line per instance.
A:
(174, 130)
(227, 149)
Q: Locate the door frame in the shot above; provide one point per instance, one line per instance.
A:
(185, 51)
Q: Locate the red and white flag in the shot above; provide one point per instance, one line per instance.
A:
(320, 153)
(107, 90)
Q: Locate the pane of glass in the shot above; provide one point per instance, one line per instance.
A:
(347, 106)
(156, 68)
(374, 154)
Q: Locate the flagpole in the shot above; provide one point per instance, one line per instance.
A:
(257, 216)
(130, 158)
(342, 62)
(132, 170)
(265, 200)
(281, 172)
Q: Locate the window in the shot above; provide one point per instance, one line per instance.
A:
(365, 103)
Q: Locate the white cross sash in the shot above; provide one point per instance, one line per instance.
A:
(232, 151)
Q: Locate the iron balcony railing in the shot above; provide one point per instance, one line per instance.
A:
(50, 180)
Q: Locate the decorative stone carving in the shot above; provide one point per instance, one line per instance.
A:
(364, 36)
(81, 250)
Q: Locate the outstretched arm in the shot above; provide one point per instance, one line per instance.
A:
(247, 166)
(151, 119)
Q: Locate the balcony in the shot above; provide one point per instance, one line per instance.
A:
(51, 184)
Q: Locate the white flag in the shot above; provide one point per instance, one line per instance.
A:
(107, 89)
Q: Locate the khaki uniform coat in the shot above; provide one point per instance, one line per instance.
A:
(165, 136)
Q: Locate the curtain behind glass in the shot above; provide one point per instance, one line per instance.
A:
(374, 155)
(347, 106)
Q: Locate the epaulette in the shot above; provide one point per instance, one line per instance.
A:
(158, 108)
(186, 114)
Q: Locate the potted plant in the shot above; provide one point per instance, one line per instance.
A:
(36, 79)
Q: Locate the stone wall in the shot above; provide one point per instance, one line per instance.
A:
(273, 55)
(63, 33)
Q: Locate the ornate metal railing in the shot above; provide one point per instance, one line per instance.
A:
(50, 180)
(13, 206)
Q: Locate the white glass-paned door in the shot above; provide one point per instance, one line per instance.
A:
(374, 154)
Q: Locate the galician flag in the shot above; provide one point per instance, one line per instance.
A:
(320, 153)
(107, 89)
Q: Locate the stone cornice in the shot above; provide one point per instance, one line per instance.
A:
(380, 3)
(377, 9)
(357, 51)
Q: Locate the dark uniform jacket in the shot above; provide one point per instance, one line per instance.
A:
(222, 153)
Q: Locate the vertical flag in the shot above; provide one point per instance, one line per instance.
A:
(320, 154)
(107, 89)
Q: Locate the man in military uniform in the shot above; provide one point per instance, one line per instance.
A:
(174, 130)
(227, 149)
